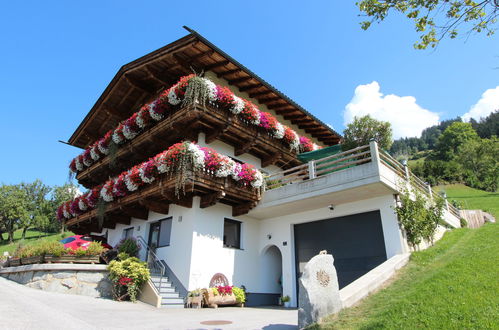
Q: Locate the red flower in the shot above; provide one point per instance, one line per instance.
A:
(225, 97)
(125, 281)
(224, 290)
(305, 144)
(119, 187)
(250, 112)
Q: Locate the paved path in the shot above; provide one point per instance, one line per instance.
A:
(25, 308)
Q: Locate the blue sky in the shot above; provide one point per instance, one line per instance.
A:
(56, 58)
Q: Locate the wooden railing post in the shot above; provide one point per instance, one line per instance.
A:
(311, 169)
(430, 192)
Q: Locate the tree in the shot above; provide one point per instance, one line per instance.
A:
(13, 208)
(480, 162)
(364, 129)
(36, 194)
(454, 136)
(487, 127)
(436, 19)
(60, 194)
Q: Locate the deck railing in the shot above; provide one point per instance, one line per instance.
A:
(351, 158)
(156, 267)
(317, 168)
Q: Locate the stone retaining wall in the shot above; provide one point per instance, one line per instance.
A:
(86, 280)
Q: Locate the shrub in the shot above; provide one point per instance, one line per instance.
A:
(54, 248)
(129, 246)
(128, 275)
(240, 295)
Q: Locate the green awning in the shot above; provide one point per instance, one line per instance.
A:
(321, 153)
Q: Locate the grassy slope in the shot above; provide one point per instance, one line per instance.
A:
(32, 237)
(449, 286)
(473, 198)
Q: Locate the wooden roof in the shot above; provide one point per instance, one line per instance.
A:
(140, 80)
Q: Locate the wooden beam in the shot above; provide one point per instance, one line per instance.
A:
(185, 201)
(215, 65)
(211, 199)
(219, 131)
(249, 87)
(269, 99)
(293, 117)
(156, 206)
(138, 212)
(239, 150)
(244, 208)
(256, 94)
(272, 159)
(278, 106)
(228, 73)
(239, 80)
(139, 85)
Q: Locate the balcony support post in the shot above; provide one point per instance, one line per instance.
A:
(373, 146)
(311, 169)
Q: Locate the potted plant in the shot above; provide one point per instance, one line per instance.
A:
(31, 255)
(195, 298)
(240, 295)
(221, 295)
(286, 300)
(128, 274)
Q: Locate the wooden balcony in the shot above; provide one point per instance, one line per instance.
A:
(158, 196)
(186, 123)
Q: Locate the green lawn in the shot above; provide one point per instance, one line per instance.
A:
(32, 237)
(473, 198)
(452, 285)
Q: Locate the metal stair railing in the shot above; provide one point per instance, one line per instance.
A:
(154, 264)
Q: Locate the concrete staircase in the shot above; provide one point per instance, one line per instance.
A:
(169, 297)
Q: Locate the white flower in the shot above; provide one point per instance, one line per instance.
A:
(295, 143)
(172, 97)
(145, 178)
(315, 146)
(66, 212)
(237, 169)
(161, 164)
(82, 205)
(117, 138)
(239, 105)
(258, 180)
(139, 120)
(154, 115)
(101, 147)
(129, 183)
(128, 133)
(279, 134)
(87, 162)
(227, 168)
(94, 154)
(106, 194)
(212, 88)
(197, 155)
(78, 164)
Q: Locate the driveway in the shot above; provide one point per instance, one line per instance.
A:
(25, 308)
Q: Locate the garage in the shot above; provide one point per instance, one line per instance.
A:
(355, 241)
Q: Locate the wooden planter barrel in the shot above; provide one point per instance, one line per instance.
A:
(219, 300)
(32, 260)
(71, 259)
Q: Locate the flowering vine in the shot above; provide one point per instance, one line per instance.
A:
(190, 89)
(176, 162)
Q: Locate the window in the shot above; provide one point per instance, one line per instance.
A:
(160, 232)
(232, 233)
(128, 233)
(67, 240)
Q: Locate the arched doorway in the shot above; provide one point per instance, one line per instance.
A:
(271, 272)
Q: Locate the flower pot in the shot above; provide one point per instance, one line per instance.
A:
(219, 300)
(49, 258)
(287, 304)
(32, 260)
(195, 301)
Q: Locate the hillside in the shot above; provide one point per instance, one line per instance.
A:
(32, 236)
(473, 199)
(452, 285)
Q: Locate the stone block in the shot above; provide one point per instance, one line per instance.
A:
(90, 277)
(89, 290)
(40, 275)
(105, 288)
(319, 292)
(56, 286)
(69, 282)
(62, 275)
(40, 285)
(25, 277)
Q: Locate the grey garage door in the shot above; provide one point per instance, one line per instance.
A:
(355, 241)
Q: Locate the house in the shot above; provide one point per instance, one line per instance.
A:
(179, 162)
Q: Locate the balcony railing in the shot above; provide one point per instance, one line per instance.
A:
(348, 159)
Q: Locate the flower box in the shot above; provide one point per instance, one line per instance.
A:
(32, 260)
(72, 259)
(214, 301)
(13, 262)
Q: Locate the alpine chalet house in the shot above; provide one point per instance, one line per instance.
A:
(215, 171)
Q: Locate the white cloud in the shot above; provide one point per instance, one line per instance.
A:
(487, 104)
(408, 118)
